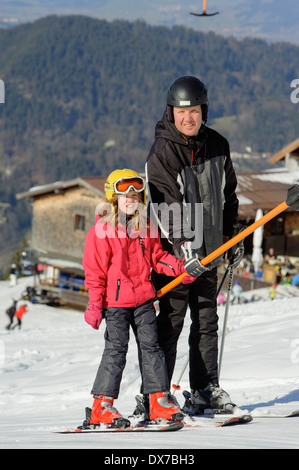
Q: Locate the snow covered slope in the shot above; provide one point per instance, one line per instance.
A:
(47, 369)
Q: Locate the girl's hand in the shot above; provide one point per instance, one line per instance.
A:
(93, 315)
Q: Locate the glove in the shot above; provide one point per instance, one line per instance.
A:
(236, 253)
(188, 279)
(191, 262)
(93, 315)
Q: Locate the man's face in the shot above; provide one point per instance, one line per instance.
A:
(188, 120)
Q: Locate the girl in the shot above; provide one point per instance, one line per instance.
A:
(120, 250)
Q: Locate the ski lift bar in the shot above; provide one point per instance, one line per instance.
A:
(291, 201)
(204, 13)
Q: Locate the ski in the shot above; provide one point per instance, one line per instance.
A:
(234, 420)
(292, 414)
(169, 427)
(122, 424)
(201, 422)
(239, 412)
(210, 414)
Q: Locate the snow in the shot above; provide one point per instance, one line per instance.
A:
(282, 176)
(47, 369)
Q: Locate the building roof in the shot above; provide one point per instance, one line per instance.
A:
(64, 263)
(94, 184)
(254, 192)
(290, 148)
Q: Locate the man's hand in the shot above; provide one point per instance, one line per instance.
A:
(191, 261)
(236, 253)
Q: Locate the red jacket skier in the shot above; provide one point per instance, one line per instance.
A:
(19, 315)
(20, 312)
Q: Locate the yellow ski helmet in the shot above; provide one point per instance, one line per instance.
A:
(122, 181)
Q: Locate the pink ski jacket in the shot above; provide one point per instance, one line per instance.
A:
(118, 267)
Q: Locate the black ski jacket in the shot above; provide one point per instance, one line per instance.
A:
(182, 171)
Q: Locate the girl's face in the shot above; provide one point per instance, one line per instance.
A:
(128, 203)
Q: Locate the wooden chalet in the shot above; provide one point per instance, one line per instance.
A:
(282, 232)
(62, 213)
(265, 191)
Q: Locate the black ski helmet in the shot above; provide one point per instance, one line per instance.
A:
(187, 91)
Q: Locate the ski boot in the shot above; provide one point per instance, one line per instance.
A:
(103, 413)
(195, 403)
(212, 398)
(162, 406)
(142, 407)
(220, 401)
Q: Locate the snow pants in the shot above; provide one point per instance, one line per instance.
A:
(151, 358)
(200, 296)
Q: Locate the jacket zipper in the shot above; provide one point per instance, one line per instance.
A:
(166, 264)
(117, 289)
(142, 247)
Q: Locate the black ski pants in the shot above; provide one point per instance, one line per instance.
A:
(151, 358)
(200, 296)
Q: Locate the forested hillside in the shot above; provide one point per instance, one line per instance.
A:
(82, 97)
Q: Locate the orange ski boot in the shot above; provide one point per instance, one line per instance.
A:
(103, 411)
(162, 406)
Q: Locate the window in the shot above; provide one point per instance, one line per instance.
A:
(79, 222)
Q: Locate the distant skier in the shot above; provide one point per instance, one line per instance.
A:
(19, 315)
(272, 291)
(10, 312)
(221, 299)
(13, 275)
(237, 291)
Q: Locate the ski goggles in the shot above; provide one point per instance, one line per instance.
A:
(124, 185)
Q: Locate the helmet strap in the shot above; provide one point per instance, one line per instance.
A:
(169, 111)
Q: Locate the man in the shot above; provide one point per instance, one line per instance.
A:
(189, 170)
